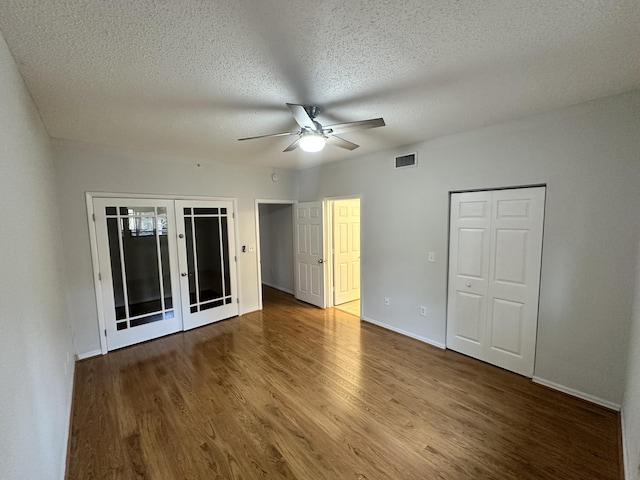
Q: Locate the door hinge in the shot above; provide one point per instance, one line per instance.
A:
(233, 215)
(235, 258)
(99, 276)
(105, 332)
(238, 300)
(93, 215)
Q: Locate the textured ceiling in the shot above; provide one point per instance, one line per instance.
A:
(192, 76)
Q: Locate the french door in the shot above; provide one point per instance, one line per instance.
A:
(165, 266)
(207, 261)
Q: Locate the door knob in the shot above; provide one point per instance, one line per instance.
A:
(467, 284)
(320, 261)
(181, 235)
(183, 274)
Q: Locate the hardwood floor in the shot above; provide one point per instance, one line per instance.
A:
(350, 307)
(299, 392)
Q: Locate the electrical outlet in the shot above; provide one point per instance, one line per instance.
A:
(423, 311)
(386, 301)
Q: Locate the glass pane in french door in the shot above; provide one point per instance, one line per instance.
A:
(207, 259)
(136, 247)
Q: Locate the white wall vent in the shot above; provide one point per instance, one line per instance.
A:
(408, 160)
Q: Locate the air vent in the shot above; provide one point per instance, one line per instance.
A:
(405, 161)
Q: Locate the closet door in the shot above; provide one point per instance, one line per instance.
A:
(496, 320)
(138, 265)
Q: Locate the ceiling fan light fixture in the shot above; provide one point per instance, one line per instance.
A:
(312, 142)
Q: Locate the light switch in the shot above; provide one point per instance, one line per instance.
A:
(432, 257)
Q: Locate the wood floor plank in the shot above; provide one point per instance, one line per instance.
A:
(296, 392)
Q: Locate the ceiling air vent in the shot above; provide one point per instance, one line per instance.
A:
(405, 161)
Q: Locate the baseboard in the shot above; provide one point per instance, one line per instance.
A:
(93, 353)
(282, 289)
(626, 460)
(405, 333)
(577, 393)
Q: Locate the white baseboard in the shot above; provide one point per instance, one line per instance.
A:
(405, 333)
(93, 353)
(282, 289)
(577, 393)
(626, 459)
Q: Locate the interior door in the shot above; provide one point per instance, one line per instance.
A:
(514, 273)
(494, 275)
(346, 251)
(207, 258)
(309, 260)
(136, 255)
(468, 272)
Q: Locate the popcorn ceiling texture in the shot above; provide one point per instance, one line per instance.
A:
(193, 76)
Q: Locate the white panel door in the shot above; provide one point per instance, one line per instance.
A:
(206, 252)
(469, 272)
(494, 276)
(346, 254)
(138, 269)
(514, 272)
(309, 259)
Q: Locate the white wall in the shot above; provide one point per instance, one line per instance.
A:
(35, 339)
(82, 167)
(276, 245)
(631, 401)
(589, 158)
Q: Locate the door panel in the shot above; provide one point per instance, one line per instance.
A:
(206, 252)
(346, 250)
(136, 255)
(516, 250)
(469, 272)
(501, 266)
(309, 248)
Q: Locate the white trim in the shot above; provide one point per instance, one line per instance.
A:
(92, 353)
(626, 459)
(159, 196)
(282, 289)
(95, 262)
(577, 393)
(405, 333)
(269, 201)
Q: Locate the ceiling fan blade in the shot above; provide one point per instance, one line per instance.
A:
(297, 132)
(351, 126)
(293, 146)
(301, 116)
(341, 142)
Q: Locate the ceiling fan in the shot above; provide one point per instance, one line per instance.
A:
(312, 136)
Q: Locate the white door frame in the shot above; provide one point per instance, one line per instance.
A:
(258, 202)
(93, 243)
(513, 187)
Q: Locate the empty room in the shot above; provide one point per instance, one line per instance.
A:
(320, 240)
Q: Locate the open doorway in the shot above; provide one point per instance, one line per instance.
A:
(274, 228)
(344, 238)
